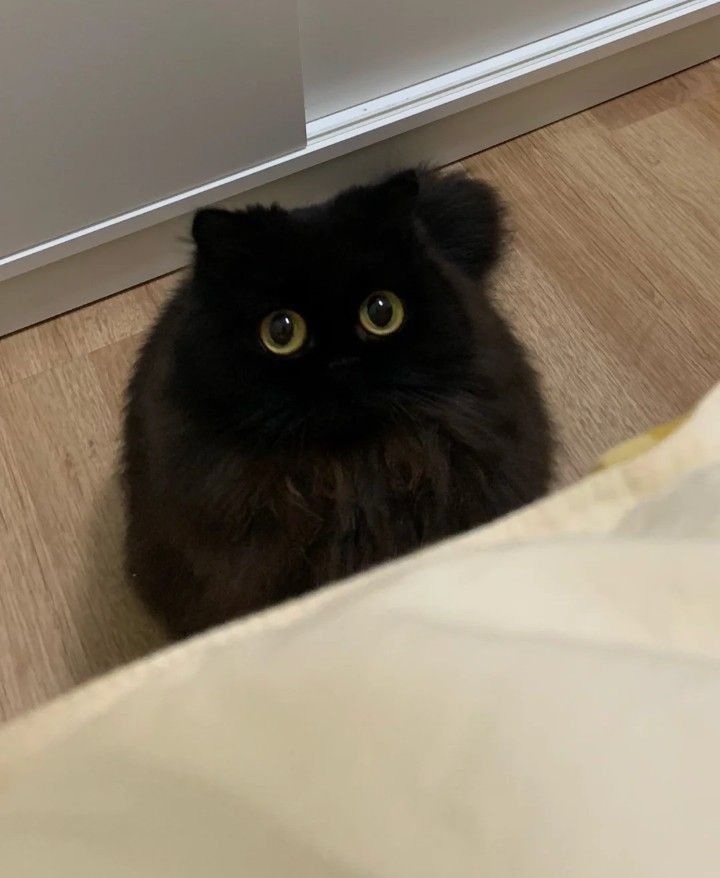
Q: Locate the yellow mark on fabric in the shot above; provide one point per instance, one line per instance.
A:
(634, 447)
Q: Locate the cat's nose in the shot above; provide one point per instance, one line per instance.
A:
(342, 363)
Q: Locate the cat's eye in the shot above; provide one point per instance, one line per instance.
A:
(382, 313)
(283, 332)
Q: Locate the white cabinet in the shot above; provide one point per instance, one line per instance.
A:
(356, 51)
(109, 105)
(118, 118)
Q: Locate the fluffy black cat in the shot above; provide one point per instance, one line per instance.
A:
(331, 388)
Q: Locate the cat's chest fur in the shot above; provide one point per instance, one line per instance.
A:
(351, 508)
(252, 532)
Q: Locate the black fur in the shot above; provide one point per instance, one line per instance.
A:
(250, 477)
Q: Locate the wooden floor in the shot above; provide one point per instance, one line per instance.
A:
(613, 282)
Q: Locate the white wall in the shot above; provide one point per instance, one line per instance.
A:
(108, 105)
(356, 50)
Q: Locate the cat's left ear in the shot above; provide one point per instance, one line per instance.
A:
(215, 230)
(250, 234)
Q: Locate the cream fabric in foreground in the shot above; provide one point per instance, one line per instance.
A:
(538, 698)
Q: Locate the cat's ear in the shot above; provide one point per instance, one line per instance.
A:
(217, 231)
(380, 207)
(247, 234)
(397, 196)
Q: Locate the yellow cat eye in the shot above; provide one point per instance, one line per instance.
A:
(382, 313)
(283, 332)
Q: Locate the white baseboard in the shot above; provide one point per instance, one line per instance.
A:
(439, 121)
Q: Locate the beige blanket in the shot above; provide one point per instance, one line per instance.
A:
(538, 698)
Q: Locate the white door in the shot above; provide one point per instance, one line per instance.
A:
(108, 105)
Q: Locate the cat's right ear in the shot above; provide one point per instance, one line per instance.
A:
(216, 231)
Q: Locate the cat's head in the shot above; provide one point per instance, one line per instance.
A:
(325, 324)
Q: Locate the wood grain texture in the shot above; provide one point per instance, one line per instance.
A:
(613, 282)
(614, 276)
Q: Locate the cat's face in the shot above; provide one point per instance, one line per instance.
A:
(323, 325)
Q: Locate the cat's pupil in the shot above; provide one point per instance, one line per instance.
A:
(380, 311)
(281, 329)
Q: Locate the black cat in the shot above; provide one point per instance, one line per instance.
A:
(331, 388)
